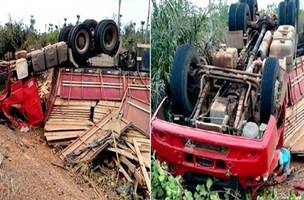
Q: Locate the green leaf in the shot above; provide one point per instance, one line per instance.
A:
(209, 184)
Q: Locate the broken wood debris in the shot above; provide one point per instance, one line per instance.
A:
(94, 140)
(69, 119)
(113, 133)
(89, 128)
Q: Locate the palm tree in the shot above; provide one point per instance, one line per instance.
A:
(78, 17)
(65, 22)
(32, 21)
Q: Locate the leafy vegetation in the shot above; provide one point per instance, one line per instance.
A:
(169, 187)
(165, 186)
(175, 22)
(15, 35)
(131, 33)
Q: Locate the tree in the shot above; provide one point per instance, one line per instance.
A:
(78, 19)
(32, 22)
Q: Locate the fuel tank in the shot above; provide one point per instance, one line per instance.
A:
(283, 44)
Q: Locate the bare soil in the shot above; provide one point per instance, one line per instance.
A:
(287, 187)
(30, 170)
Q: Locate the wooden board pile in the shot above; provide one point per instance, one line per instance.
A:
(103, 108)
(67, 121)
(294, 127)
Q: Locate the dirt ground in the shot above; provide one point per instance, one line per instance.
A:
(297, 177)
(27, 171)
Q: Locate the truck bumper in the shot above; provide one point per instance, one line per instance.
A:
(186, 149)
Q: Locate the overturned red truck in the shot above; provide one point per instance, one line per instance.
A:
(73, 73)
(226, 120)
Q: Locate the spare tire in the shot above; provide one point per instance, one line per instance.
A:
(107, 37)
(291, 13)
(185, 60)
(64, 33)
(80, 39)
(268, 88)
(253, 7)
(242, 16)
(232, 17)
(282, 13)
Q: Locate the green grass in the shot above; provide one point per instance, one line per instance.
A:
(175, 22)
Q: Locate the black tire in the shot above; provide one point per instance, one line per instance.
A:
(80, 39)
(291, 13)
(282, 13)
(253, 7)
(64, 33)
(3, 76)
(232, 17)
(269, 78)
(242, 16)
(91, 23)
(107, 37)
(297, 2)
(185, 58)
(145, 65)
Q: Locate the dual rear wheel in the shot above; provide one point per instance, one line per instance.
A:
(91, 38)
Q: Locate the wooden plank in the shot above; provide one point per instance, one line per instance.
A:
(139, 140)
(60, 143)
(136, 134)
(125, 148)
(123, 153)
(51, 136)
(146, 158)
(64, 127)
(131, 146)
(60, 101)
(68, 122)
(142, 166)
(123, 171)
(145, 148)
(136, 173)
(71, 108)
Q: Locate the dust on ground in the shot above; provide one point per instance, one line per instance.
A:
(30, 169)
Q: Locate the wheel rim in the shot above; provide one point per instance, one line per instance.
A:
(109, 38)
(81, 41)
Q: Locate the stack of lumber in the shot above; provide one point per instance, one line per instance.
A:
(294, 128)
(68, 120)
(103, 108)
(44, 84)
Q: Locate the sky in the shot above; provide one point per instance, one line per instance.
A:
(54, 11)
(261, 3)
